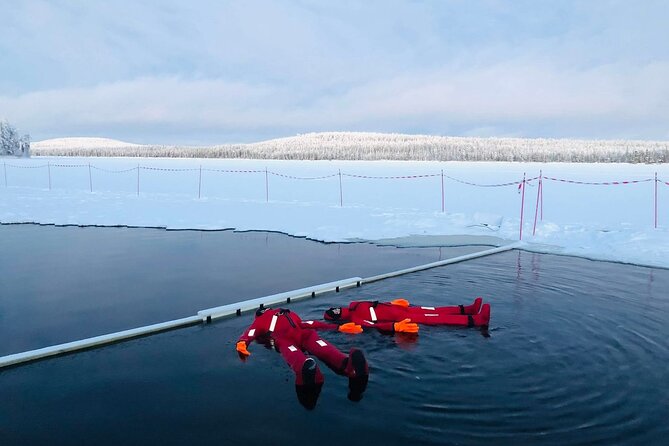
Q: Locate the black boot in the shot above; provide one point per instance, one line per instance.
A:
(309, 391)
(358, 373)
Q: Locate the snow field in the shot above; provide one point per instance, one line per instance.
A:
(610, 222)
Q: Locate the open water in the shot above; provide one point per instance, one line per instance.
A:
(59, 284)
(576, 354)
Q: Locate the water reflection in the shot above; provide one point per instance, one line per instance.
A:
(298, 342)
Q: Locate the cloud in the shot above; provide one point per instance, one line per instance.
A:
(179, 72)
(514, 96)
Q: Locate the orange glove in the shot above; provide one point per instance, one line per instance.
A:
(242, 350)
(350, 327)
(405, 326)
(400, 302)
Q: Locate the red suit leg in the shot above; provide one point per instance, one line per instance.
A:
(324, 351)
(458, 309)
(420, 311)
(435, 317)
(294, 356)
(428, 317)
(354, 365)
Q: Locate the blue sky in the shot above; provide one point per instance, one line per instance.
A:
(204, 72)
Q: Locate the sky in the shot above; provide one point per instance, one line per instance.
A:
(208, 72)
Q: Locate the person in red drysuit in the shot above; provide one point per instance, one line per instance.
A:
(292, 337)
(379, 314)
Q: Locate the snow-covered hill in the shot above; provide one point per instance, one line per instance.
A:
(81, 143)
(379, 146)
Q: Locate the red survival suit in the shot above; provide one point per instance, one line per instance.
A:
(375, 313)
(292, 337)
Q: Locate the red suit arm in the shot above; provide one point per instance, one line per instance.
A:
(387, 327)
(403, 326)
(376, 312)
(350, 327)
(255, 329)
(318, 325)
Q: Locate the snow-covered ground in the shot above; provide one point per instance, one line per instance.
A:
(608, 222)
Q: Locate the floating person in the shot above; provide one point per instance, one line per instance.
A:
(291, 337)
(379, 314)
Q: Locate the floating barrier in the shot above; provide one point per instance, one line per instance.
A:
(282, 298)
(458, 259)
(96, 341)
(237, 308)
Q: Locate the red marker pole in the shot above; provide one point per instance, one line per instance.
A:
(536, 208)
(522, 206)
(90, 177)
(541, 188)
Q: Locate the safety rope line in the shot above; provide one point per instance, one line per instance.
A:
(69, 165)
(232, 171)
(601, 183)
(27, 167)
(114, 171)
(512, 183)
(168, 169)
(350, 175)
(402, 177)
(302, 178)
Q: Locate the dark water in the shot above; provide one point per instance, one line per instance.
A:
(62, 284)
(576, 354)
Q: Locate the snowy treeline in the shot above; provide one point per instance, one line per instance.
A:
(11, 143)
(380, 146)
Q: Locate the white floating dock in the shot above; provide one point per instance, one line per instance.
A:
(238, 308)
(474, 255)
(60, 349)
(228, 310)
